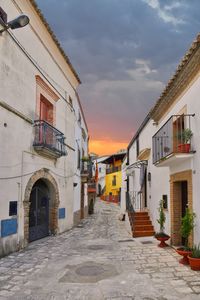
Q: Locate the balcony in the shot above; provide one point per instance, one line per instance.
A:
(92, 187)
(48, 140)
(173, 140)
(86, 170)
(113, 170)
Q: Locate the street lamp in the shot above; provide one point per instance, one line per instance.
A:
(18, 22)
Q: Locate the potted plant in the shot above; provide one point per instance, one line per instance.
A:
(185, 137)
(161, 235)
(85, 158)
(194, 258)
(187, 225)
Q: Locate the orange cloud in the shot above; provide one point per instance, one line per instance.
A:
(102, 147)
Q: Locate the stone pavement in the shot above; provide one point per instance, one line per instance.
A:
(97, 260)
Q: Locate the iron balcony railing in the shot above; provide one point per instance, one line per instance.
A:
(173, 137)
(86, 168)
(92, 187)
(129, 205)
(49, 138)
(113, 170)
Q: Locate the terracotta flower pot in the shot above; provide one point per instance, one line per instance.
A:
(184, 148)
(185, 254)
(162, 241)
(194, 263)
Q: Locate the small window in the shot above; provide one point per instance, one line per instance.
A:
(83, 134)
(12, 208)
(165, 203)
(114, 180)
(70, 101)
(79, 159)
(79, 118)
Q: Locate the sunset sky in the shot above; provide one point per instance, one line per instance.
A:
(124, 51)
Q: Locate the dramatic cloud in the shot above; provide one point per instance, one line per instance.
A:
(124, 51)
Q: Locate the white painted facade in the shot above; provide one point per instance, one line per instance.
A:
(159, 185)
(154, 191)
(24, 54)
(190, 100)
(81, 137)
(101, 174)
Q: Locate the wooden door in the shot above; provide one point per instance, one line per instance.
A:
(46, 110)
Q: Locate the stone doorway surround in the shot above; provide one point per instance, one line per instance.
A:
(176, 204)
(45, 175)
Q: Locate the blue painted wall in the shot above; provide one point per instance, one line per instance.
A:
(8, 227)
(61, 213)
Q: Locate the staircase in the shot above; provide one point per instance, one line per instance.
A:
(141, 224)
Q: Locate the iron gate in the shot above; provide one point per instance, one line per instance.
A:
(39, 212)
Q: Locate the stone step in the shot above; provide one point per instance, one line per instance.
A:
(142, 222)
(141, 217)
(141, 213)
(142, 228)
(143, 233)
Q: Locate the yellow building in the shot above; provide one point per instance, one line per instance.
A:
(113, 178)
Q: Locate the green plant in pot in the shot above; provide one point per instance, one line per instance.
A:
(85, 158)
(187, 225)
(194, 258)
(161, 235)
(185, 137)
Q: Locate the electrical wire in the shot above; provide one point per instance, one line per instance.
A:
(44, 74)
(27, 174)
(40, 69)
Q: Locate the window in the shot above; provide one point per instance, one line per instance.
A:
(83, 134)
(165, 204)
(46, 110)
(79, 159)
(114, 181)
(12, 208)
(45, 102)
(70, 101)
(79, 118)
(99, 170)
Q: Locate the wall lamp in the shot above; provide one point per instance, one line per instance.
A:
(18, 22)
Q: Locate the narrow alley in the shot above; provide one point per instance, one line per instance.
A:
(98, 259)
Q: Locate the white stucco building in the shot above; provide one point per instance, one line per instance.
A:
(41, 130)
(163, 160)
(81, 167)
(101, 174)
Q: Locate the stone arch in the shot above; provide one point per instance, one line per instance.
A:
(45, 175)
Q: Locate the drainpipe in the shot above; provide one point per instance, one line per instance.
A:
(127, 181)
(18, 213)
(19, 202)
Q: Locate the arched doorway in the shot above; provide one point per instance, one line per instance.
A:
(41, 201)
(39, 211)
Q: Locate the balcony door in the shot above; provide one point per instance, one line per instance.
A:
(178, 127)
(46, 110)
(46, 114)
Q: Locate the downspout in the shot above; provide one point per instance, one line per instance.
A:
(127, 182)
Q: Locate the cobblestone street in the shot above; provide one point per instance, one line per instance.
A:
(97, 260)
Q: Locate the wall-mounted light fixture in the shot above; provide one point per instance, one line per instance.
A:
(18, 22)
